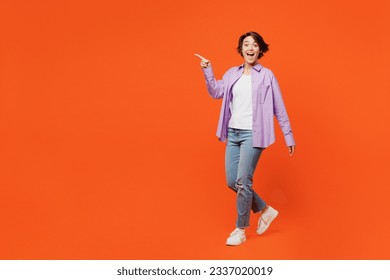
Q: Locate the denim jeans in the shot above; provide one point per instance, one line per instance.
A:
(240, 163)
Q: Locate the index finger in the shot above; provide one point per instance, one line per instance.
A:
(201, 57)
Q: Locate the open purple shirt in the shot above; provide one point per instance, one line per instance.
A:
(267, 101)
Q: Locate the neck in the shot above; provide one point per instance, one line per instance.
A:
(248, 67)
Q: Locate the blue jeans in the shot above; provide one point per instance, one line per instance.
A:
(240, 163)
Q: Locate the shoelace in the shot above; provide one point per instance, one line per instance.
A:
(236, 231)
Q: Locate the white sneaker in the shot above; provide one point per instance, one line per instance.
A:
(266, 219)
(236, 237)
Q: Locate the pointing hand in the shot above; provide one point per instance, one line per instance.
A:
(204, 61)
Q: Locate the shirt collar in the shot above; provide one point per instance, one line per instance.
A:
(257, 67)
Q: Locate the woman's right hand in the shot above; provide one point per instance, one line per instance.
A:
(205, 63)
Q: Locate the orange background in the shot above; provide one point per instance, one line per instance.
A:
(107, 133)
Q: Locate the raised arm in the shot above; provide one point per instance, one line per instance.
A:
(215, 87)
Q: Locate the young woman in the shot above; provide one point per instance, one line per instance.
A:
(251, 97)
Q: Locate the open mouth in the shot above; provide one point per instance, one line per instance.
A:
(250, 54)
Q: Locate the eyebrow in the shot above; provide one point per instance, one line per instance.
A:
(249, 42)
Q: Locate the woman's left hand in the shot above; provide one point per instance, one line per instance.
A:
(291, 150)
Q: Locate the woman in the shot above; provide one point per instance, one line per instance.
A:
(251, 97)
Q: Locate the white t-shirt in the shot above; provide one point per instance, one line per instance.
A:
(242, 104)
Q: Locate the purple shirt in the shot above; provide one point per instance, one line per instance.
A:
(267, 101)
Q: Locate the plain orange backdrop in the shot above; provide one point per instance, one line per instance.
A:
(107, 133)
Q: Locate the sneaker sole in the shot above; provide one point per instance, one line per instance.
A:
(234, 244)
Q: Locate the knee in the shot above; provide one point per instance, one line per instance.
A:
(243, 188)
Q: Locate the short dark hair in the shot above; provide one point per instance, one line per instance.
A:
(258, 39)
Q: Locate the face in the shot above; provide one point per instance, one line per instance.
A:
(250, 50)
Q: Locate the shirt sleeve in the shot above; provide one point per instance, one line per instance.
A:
(281, 113)
(216, 88)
